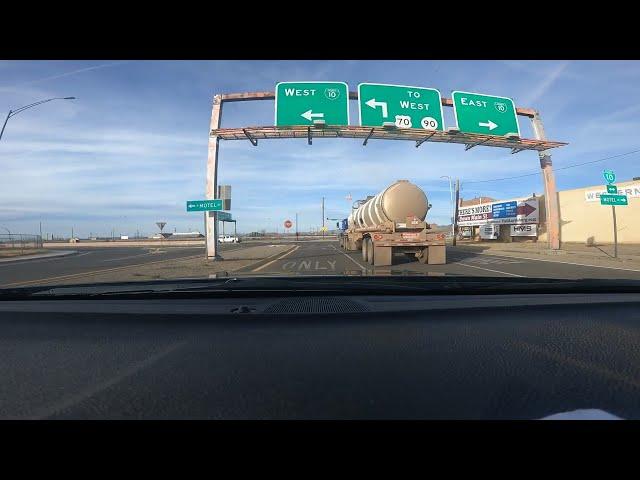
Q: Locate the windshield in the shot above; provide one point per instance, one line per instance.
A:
(129, 171)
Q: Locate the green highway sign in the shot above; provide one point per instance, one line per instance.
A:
(485, 114)
(609, 176)
(224, 217)
(406, 107)
(204, 205)
(612, 189)
(613, 200)
(300, 103)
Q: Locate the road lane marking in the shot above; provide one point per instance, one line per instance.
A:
(73, 400)
(489, 270)
(288, 252)
(364, 269)
(93, 272)
(130, 256)
(551, 261)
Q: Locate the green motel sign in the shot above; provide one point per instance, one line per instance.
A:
(485, 114)
(404, 106)
(615, 200)
(302, 103)
(204, 205)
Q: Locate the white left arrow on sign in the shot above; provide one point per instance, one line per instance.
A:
(373, 104)
(309, 115)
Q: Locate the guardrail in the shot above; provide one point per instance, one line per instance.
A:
(20, 241)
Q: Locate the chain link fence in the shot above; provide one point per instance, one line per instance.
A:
(19, 241)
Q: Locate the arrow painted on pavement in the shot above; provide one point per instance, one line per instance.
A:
(525, 209)
(489, 124)
(373, 104)
(309, 115)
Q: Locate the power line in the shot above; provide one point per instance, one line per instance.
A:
(557, 169)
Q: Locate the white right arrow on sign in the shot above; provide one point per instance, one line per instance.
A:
(489, 124)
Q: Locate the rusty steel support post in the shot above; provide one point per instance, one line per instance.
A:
(211, 218)
(550, 191)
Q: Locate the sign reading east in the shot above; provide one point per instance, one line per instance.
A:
(485, 114)
(300, 103)
(406, 107)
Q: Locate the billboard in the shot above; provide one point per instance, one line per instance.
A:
(530, 230)
(518, 211)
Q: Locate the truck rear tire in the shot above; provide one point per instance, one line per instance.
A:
(370, 251)
(365, 248)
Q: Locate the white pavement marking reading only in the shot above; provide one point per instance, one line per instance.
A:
(309, 265)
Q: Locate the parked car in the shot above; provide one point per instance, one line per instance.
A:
(228, 239)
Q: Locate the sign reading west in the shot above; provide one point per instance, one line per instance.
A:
(485, 114)
(406, 107)
(300, 103)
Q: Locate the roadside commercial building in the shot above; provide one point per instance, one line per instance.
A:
(582, 218)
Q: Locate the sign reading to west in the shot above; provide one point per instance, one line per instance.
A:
(300, 103)
(485, 114)
(406, 107)
(204, 205)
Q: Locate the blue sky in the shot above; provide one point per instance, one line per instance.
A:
(133, 148)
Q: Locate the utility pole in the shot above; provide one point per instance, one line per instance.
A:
(455, 212)
(615, 232)
(552, 219)
(296, 225)
(211, 218)
(322, 217)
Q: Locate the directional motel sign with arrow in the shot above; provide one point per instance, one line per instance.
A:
(405, 107)
(485, 114)
(204, 205)
(300, 103)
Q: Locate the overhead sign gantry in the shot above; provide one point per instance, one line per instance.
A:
(387, 112)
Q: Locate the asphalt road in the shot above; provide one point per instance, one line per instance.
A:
(327, 258)
(93, 259)
(306, 258)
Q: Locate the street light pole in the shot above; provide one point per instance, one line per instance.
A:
(451, 203)
(22, 109)
(322, 217)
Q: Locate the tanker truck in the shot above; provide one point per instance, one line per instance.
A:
(393, 221)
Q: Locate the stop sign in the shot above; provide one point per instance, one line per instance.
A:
(288, 224)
